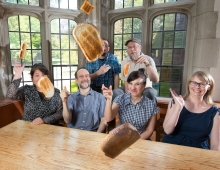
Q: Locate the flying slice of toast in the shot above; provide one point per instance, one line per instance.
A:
(89, 40)
(46, 86)
(119, 139)
(87, 7)
(126, 69)
(22, 51)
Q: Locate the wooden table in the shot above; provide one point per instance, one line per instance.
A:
(25, 146)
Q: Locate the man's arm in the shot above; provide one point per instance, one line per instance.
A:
(116, 81)
(67, 115)
(102, 70)
(102, 125)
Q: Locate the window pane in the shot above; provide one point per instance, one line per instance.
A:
(25, 2)
(164, 89)
(34, 2)
(56, 72)
(118, 27)
(55, 41)
(24, 23)
(36, 41)
(55, 57)
(157, 40)
(127, 3)
(64, 27)
(180, 39)
(26, 75)
(14, 55)
(55, 26)
(158, 23)
(13, 23)
(170, 0)
(138, 37)
(64, 4)
(72, 4)
(37, 57)
(65, 57)
(25, 38)
(177, 87)
(181, 21)
(14, 43)
(64, 41)
(73, 57)
(128, 25)
(178, 56)
(138, 2)
(137, 25)
(72, 25)
(27, 58)
(35, 25)
(126, 37)
(176, 74)
(54, 3)
(117, 42)
(167, 57)
(118, 53)
(12, 1)
(66, 74)
(73, 44)
(158, 1)
(57, 84)
(169, 22)
(74, 86)
(157, 56)
(165, 74)
(168, 39)
(118, 4)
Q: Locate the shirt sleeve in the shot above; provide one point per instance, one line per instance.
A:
(152, 63)
(102, 106)
(14, 92)
(122, 66)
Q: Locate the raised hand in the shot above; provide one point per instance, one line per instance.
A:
(64, 94)
(107, 92)
(103, 69)
(18, 69)
(178, 99)
(142, 59)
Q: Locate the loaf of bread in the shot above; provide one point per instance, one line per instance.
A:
(126, 69)
(22, 51)
(89, 40)
(119, 139)
(86, 7)
(45, 86)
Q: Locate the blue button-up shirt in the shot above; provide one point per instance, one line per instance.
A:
(108, 78)
(86, 110)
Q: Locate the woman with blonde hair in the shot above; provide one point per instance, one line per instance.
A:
(193, 119)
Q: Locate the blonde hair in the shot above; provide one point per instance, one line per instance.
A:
(203, 76)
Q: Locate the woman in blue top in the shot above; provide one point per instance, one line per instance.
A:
(193, 119)
(133, 107)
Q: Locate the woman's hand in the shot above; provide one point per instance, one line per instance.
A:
(18, 69)
(38, 121)
(178, 99)
(64, 94)
(107, 92)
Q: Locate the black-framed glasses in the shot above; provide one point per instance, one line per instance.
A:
(202, 85)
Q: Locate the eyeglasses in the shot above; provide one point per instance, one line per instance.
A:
(202, 85)
(135, 47)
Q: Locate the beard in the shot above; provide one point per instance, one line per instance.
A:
(134, 56)
(84, 86)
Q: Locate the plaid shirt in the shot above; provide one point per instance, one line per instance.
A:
(108, 78)
(136, 114)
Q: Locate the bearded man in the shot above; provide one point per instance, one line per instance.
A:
(136, 60)
(84, 109)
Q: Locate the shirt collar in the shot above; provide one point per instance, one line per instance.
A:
(128, 100)
(91, 92)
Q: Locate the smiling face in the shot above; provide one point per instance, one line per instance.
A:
(105, 47)
(133, 50)
(83, 79)
(36, 76)
(136, 87)
(198, 87)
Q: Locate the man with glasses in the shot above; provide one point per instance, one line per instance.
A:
(136, 60)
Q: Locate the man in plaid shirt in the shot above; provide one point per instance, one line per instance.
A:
(105, 70)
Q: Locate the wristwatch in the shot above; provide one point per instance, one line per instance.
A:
(147, 64)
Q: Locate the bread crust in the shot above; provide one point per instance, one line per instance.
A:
(22, 51)
(86, 7)
(88, 38)
(126, 69)
(46, 86)
(119, 139)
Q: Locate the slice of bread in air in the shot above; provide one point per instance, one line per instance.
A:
(22, 51)
(126, 69)
(119, 139)
(87, 7)
(89, 40)
(46, 86)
